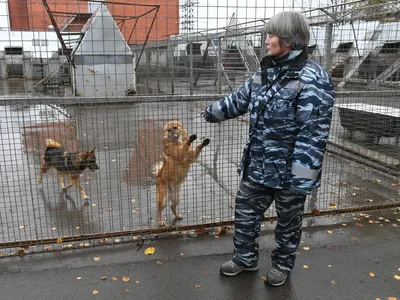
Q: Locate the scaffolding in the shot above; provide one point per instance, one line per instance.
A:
(71, 33)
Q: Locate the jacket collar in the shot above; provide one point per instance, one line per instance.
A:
(293, 62)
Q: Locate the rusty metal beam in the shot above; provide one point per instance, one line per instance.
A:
(57, 30)
(148, 35)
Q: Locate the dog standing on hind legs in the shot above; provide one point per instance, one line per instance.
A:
(177, 159)
(71, 164)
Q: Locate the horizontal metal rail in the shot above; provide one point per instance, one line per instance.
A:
(138, 232)
(161, 98)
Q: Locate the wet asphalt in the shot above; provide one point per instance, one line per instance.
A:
(355, 257)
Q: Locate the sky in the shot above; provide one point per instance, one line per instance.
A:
(210, 14)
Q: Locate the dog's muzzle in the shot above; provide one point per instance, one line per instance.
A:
(174, 136)
(93, 167)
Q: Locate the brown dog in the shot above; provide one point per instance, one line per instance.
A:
(71, 164)
(178, 156)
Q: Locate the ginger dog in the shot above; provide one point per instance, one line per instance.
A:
(177, 158)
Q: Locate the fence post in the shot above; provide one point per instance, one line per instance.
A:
(219, 88)
(191, 81)
(328, 46)
(171, 64)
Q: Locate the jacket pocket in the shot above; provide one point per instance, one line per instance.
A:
(281, 107)
(275, 167)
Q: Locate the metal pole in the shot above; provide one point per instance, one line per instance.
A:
(219, 88)
(328, 46)
(171, 65)
(191, 81)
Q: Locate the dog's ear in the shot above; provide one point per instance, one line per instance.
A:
(92, 151)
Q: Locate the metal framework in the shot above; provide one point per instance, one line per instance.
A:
(175, 81)
(64, 15)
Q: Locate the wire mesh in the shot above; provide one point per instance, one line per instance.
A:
(109, 75)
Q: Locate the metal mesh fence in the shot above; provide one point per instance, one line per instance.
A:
(109, 75)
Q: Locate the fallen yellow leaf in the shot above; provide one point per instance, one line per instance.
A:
(392, 298)
(103, 278)
(329, 266)
(305, 267)
(78, 278)
(182, 254)
(200, 231)
(96, 258)
(330, 231)
(59, 240)
(378, 180)
(150, 251)
(21, 227)
(371, 221)
(397, 277)
(126, 279)
(371, 274)
(159, 262)
(95, 292)
(94, 204)
(114, 278)
(333, 283)
(137, 281)
(263, 278)
(54, 228)
(306, 248)
(197, 286)
(220, 231)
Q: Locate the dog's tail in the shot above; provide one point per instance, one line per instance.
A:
(52, 144)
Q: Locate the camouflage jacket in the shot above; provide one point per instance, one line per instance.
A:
(290, 102)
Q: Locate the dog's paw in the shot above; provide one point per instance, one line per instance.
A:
(192, 138)
(205, 142)
(161, 224)
(86, 202)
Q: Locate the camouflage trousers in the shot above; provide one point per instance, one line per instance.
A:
(252, 201)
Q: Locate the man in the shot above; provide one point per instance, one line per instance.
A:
(290, 101)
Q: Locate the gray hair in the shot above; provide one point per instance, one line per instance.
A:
(291, 27)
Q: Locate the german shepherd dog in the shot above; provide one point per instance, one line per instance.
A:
(177, 158)
(71, 164)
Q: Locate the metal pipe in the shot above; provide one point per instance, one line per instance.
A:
(191, 81)
(328, 46)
